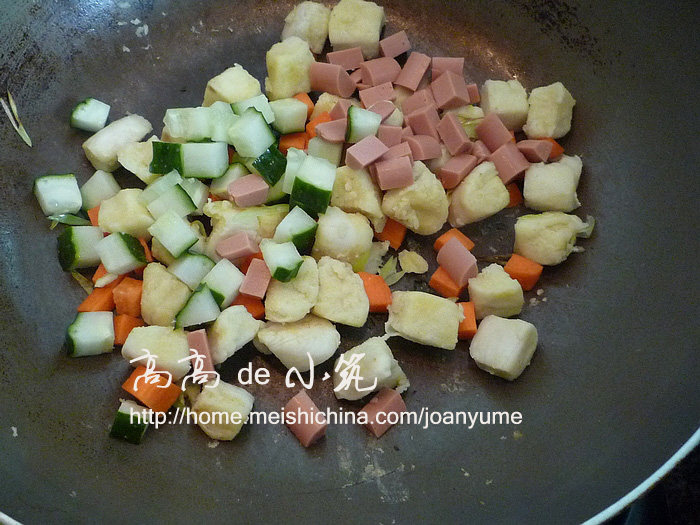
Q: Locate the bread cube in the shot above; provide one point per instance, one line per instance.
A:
(551, 108)
(503, 347)
(356, 23)
(233, 85)
(494, 292)
(288, 64)
(308, 21)
(508, 99)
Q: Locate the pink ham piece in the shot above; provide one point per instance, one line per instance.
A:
(453, 135)
(400, 150)
(386, 405)
(372, 168)
(459, 262)
(371, 96)
(406, 132)
(389, 135)
(361, 86)
(450, 90)
(509, 162)
(379, 70)
(250, 190)
(332, 79)
(365, 152)
(348, 59)
(394, 173)
(441, 64)
(535, 150)
(493, 132)
(455, 169)
(480, 151)
(256, 279)
(239, 245)
(420, 99)
(424, 147)
(392, 46)
(199, 343)
(423, 121)
(384, 108)
(473, 90)
(356, 77)
(340, 110)
(333, 131)
(310, 423)
(414, 69)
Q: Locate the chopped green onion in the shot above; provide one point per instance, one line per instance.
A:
(14, 119)
(84, 282)
(70, 219)
(389, 272)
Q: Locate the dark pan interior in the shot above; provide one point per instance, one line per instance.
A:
(612, 391)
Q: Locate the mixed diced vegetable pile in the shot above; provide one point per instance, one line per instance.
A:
(268, 218)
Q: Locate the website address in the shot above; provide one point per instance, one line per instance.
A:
(423, 418)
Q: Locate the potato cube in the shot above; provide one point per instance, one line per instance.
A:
(356, 23)
(503, 347)
(507, 99)
(308, 21)
(480, 195)
(551, 187)
(233, 85)
(551, 108)
(494, 292)
(288, 64)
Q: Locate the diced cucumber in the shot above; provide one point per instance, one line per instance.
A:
(207, 160)
(99, 187)
(219, 187)
(188, 124)
(76, 247)
(160, 186)
(191, 268)
(200, 308)
(121, 253)
(222, 117)
(166, 157)
(283, 259)
(58, 194)
(313, 186)
(361, 123)
(174, 233)
(297, 227)
(128, 423)
(70, 219)
(260, 103)
(323, 149)
(90, 115)
(198, 192)
(91, 333)
(223, 281)
(276, 194)
(270, 165)
(290, 115)
(175, 199)
(295, 158)
(250, 134)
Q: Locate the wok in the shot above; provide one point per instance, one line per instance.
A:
(612, 391)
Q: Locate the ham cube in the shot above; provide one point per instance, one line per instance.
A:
(199, 343)
(394, 45)
(420, 99)
(383, 411)
(423, 121)
(424, 147)
(473, 90)
(250, 190)
(379, 71)
(458, 262)
(400, 150)
(333, 131)
(309, 422)
(453, 135)
(348, 59)
(414, 69)
(256, 279)
(455, 169)
(237, 246)
(535, 150)
(441, 64)
(384, 108)
(365, 152)
(394, 173)
(372, 95)
(356, 77)
(406, 132)
(480, 151)
(331, 78)
(390, 135)
(510, 162)
(340, 110)
(450, 90)
(493, 132)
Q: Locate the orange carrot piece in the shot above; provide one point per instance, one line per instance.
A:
(99, 300)
(99, 273)
(255, 306)
(93, 213)
(247, 260)
(467, 328)
(231, 153)
(127, 297)
(293, 140)
(377, 291)
(146, 250)
(214, 198)
(311, 126)
(156, 396)
(556, 148)
(304, 97)
(523, 270)
(454, 232)
(394, 232)
(443, 284)
(516, 197)
(512, 133)
(123, 325)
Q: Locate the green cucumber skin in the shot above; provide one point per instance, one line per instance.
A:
(122, 428)
(271, 165)
(305, 240)
(134, 247)
(309, 198)
(166, 158)
(218, 297)
(67, 255)
(287, 274)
